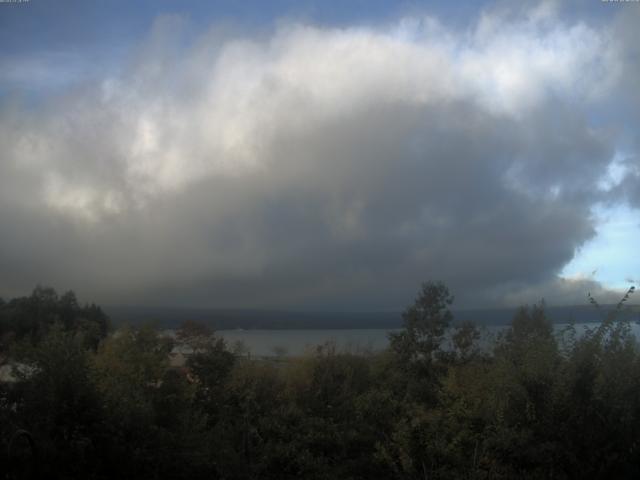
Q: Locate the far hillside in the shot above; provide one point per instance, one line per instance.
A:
(172, 317)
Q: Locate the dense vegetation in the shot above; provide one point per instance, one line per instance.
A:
(89, 404)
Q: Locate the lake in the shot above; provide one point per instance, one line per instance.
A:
(297, 342)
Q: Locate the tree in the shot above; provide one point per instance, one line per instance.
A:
(195, 335)
(417, 347)
(32, 317)
(425, 323)
(464, 340)
(58, 400)
(128, 369)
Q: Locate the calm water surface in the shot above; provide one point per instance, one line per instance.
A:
(297, 342)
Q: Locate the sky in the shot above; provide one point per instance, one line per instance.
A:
(319, 155)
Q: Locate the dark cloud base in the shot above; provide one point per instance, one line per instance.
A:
(249, 176)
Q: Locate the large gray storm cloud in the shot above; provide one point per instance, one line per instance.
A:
(325, 167)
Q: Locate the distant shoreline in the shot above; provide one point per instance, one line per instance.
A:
(218, 319)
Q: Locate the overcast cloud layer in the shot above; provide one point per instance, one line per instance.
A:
(324, 168)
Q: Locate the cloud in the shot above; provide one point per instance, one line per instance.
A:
(564, 291)
(315, 167)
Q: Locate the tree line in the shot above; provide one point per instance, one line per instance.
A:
(436, 404)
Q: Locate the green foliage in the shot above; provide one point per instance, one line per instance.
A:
(30, 318)
(464, 342)
(534, 404)
(418, 347)
(425, 324)
(56, 400)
